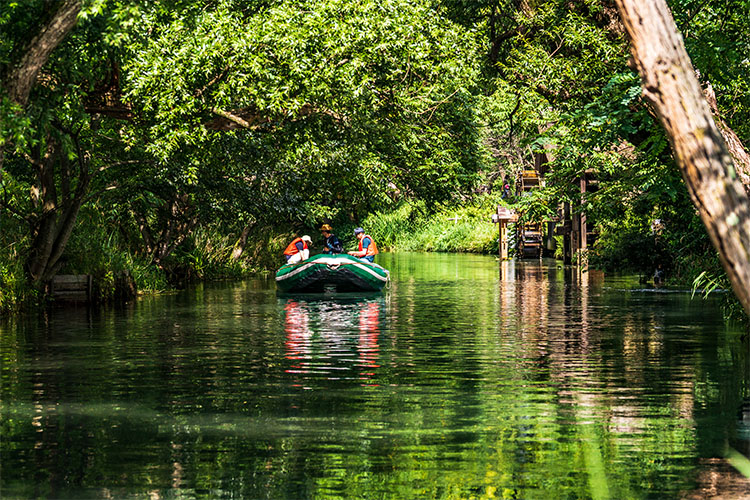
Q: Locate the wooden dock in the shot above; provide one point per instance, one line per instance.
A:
(535, 239)
(72, 287)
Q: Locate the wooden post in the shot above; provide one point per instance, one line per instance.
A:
(502, 218)
(549, 239)
(583, 235)
(576, 238)
(503, 246)
(567, 250)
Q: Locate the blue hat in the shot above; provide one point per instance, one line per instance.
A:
(358, 230)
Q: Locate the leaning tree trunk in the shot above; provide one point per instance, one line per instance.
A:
(670, 84)
(20, 78)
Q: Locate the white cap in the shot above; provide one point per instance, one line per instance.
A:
(307, 239)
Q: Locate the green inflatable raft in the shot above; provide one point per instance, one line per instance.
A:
(328, 273)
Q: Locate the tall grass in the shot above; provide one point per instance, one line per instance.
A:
(100, 251)
(14, 289)
(266, 246)
(458, 228)
(96, 248)
(208, 256)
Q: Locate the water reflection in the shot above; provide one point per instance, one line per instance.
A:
(297, 328)
(468, 378)
(369, 330)
(332, 336)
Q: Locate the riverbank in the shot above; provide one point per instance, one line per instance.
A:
(210, 254)
(207, 256)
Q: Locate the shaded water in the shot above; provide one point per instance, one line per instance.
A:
(465, 379)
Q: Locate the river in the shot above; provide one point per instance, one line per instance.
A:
(465, 378)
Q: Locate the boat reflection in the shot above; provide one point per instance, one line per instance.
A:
(296, 326)
(335, 338)
(369, 330)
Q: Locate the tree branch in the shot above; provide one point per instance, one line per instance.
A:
(254, 119)
(199, 92)
(123, 163)
(231, 117)
(22, 77)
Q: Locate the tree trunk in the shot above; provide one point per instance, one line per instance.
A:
(21, 77)
(44, 226)
(670, 84)
(733, 142)
(58, 214)
(174, 223)
(180, 220)
(239, 247)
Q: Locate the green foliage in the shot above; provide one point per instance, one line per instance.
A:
(398, 114)
(646, 232)
(717, 34)
(628, 245)
(208, 256)
(358, 102)
(390, 228)
(266, 246)
(536, 205)
(451, 228)
(15, 291)
(16, 128)
(705, 283)
(354, 107)
(100, 251)
(714, 280)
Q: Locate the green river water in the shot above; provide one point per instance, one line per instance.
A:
(466, 378)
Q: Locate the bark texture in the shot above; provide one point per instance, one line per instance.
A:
(23, 75)
(670, 84)
(20, 78)
(55, 208)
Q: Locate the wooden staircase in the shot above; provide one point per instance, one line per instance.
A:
(530, 234)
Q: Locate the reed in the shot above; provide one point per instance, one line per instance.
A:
(14, 289)
(208, 256)
(457, 228)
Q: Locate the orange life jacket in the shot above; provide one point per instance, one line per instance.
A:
(372, 249)
(292, 248)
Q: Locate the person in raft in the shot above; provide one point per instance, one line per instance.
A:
(367, 247)
(331, 244)
(298, 250)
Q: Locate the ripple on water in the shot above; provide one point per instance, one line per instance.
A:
(467, 378)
